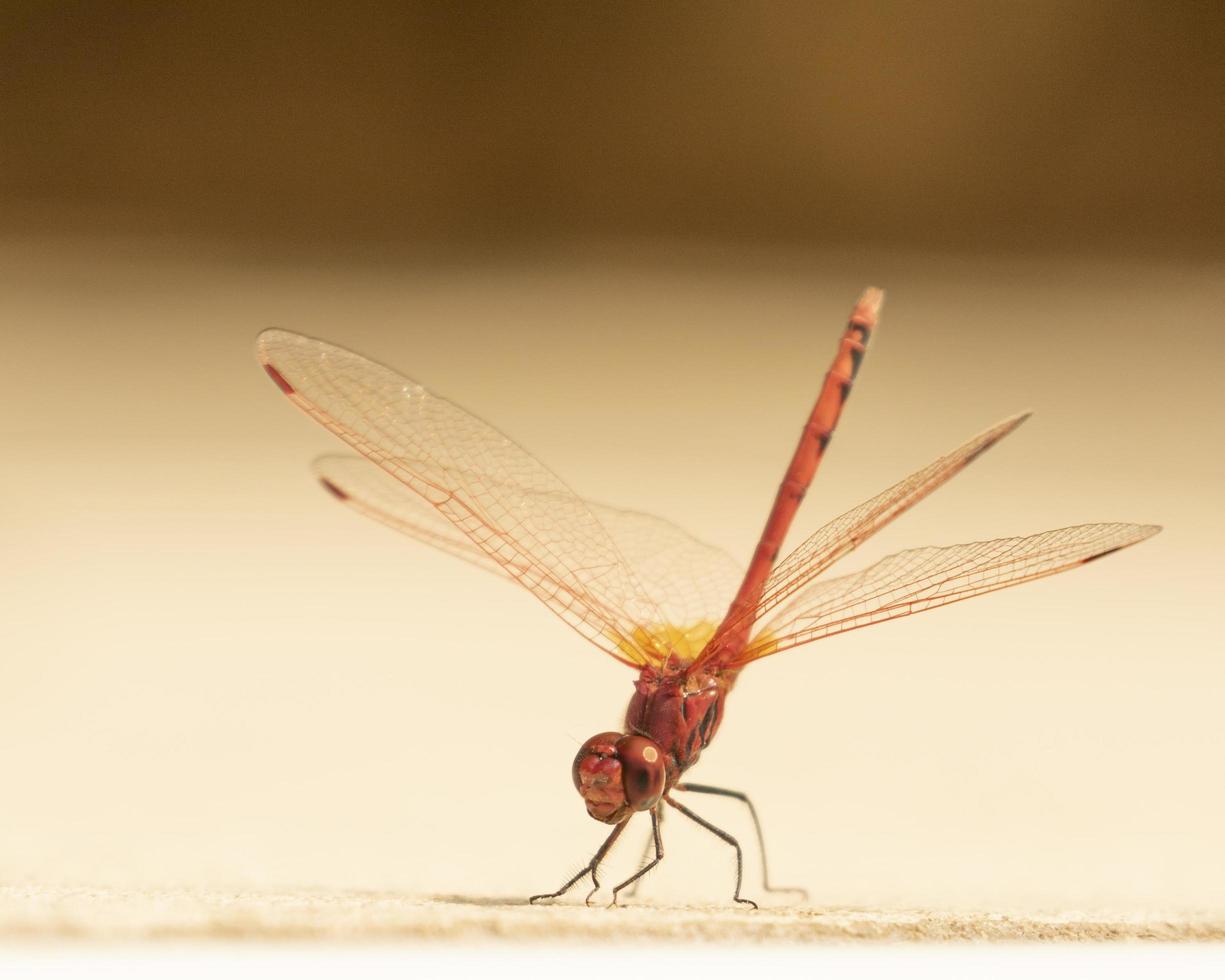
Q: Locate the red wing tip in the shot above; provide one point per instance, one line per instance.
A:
(331, 488)
(279, 379)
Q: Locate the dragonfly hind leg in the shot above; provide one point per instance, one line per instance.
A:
(761, 840)
(590, 868)
(723, 835)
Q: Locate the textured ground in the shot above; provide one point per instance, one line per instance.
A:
(100, 913)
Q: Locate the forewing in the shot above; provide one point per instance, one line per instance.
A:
(926, 578)
(503, 500)
(844, 534)
(691, 581)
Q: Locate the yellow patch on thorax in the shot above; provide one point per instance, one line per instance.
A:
(655, 644)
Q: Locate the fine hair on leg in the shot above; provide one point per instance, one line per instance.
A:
(591, 868)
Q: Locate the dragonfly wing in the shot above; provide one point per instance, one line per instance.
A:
(926, 578)
(845, 533)
(371, 491)
(499, 496)
(690, 580)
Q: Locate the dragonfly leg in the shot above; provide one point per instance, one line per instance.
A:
(646, 850)
(659, 856)
(590, 869)
(723, 835)
(761, 840)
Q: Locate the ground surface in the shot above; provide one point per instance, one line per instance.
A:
(100, 913)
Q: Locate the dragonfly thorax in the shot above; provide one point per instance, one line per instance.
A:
(618, 775)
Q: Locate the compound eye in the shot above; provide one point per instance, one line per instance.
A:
(642, 771)
(599, 753)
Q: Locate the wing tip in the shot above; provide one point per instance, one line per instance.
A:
(321, 465)
(1014, 421)
(265, 343)
(1135, 533)
(988, 438)
(266, 339)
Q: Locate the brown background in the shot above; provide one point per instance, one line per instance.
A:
(628, 235)
(951, 124)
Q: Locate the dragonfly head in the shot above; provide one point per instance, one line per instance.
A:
(618, 775)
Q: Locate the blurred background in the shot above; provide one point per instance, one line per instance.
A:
(999, 126)
(627, 234)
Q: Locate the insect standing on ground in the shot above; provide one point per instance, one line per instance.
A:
(638, 587)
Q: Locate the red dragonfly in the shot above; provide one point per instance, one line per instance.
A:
(638, 587)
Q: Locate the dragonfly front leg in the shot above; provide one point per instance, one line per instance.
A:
(591, 867)
(723, 835)
(659, 856)
(761, 840)
(646, 850)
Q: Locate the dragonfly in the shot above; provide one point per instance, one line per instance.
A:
(683, 614)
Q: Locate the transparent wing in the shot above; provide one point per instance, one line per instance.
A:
(367, 489)
(926, 578)
(844, 534)
(499, 496)
(690, 580)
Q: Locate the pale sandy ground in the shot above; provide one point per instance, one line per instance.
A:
(42, 913)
